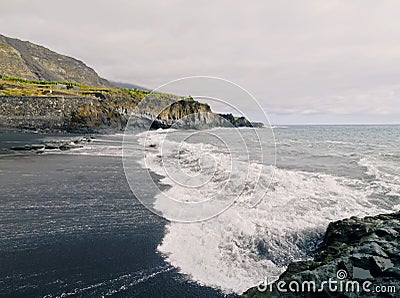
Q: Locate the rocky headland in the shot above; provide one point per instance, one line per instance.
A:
(43, 90)
(108, 110)
(363, 251)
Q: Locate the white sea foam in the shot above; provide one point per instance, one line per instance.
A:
(239, 247)
(110, 145)
(385, 172)
(242, 245)
(201, 173)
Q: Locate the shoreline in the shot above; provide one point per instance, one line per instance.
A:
(139, 165)
(84, 224)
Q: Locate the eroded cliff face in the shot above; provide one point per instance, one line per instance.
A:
(41, 89)
(109, 111)
(39, 112)
(190, 114)
(182, 108)
(80, 108)
(67, 113)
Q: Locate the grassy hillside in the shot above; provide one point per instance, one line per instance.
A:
(12, 86)
(23, 101)
(34, 62)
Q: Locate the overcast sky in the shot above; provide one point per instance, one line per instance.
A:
(304, 61)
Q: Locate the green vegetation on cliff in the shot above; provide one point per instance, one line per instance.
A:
(36, 104)
(29, 61)
(41, 89)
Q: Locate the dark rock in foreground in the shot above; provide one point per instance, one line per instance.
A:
(361, 254)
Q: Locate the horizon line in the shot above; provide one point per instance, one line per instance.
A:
(336, 124)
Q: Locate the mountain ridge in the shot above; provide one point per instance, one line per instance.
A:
(30, 61)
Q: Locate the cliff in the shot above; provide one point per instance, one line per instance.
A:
(43, 105)
(43, 90)
(357, 250)
(26, 60)
(95, 110)
(38, 112)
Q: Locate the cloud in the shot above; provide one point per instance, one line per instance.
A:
(296, 57)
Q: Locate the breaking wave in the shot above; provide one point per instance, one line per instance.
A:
(242, 245)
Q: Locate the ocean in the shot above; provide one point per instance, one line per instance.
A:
(240, 205)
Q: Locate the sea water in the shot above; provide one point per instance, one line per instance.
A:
(71, 227)
(70, 223)
(322, 174)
